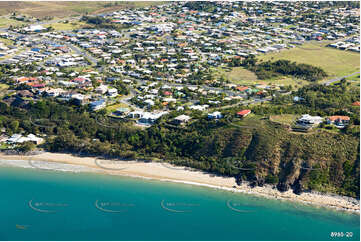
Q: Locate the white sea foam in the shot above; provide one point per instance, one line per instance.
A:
(44, 165)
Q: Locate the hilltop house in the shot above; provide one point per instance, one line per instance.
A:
(338, 121)
(215, 115)
(96, 105)
(19, 139)
(243, 113)
(150, 118)
(121, 111)
(181, 119)
(308, 120)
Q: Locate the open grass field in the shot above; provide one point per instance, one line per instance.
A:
(241, 76)
(355, 77)
(287, 119)
(65, 8)
(3, 89)
(6, 41)
(336, 63)
(114, 107)
(65, 26)
(236, 74)
(6, 22)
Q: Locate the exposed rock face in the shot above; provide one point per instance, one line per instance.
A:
(283, 187)
(297, 188)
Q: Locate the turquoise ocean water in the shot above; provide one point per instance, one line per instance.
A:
(53, 205)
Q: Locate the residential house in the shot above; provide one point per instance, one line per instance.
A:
(243, 113)
(181, 119)
(96, 105)
(19, 139)
(338, 121)
(215, 115)
(308, 120)
(101, 89)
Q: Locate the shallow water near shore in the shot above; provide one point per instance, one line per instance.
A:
(55, 205)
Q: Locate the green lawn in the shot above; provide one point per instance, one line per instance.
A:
(287, 119)
(6, 41)
(335, 62)
(3, 88)
(6, 22)
(236, 75)
(4, 146)
(65, 26)
(355, 77)
(241, 76)
(114, 107)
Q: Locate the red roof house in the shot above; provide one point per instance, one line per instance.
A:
(167, 93)
(243, 113)
(338, 120)
(241, 89)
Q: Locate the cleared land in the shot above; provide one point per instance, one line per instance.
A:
(287, 119)
(6, 41)
(336, 63)
(241, 76)
(3, 89)
(237, 74)
(65, 26)
(6, 22)
(354, 78)
(114, 107)
(65, 9)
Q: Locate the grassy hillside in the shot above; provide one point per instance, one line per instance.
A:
(65, 9)
(241, 76)
(269, 153)
(335, 62)
(236, 74)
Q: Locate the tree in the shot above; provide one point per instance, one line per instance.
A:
(14, 126)
(26, 147)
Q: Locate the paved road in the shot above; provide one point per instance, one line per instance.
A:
(339, 78)
(81, 52)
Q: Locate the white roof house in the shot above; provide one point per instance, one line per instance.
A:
(307, 119)
(182, 119)
(33, 28)
(113, 92)
(215, 115)
(199, 107)
(101, 89)
(18, 139)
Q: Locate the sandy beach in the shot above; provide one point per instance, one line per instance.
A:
(167, 172)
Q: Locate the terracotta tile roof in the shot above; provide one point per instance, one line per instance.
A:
(244, 112)
(337, 117)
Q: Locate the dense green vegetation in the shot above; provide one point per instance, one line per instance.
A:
(101, 22)
(253, 149)
(268, 69)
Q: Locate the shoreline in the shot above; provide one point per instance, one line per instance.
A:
(169, 173)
